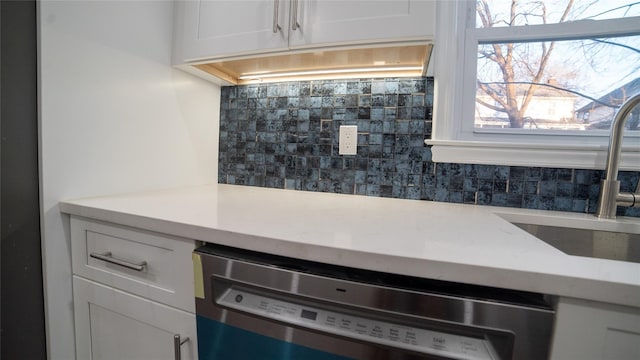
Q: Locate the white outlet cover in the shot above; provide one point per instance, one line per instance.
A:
(348, 142)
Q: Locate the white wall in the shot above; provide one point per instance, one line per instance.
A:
(114, 117)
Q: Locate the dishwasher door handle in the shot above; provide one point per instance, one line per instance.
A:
(108, 257)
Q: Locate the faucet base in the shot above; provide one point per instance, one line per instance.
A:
(607, 204)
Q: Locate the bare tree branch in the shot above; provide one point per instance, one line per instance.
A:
(628, 6)
(489, 55)
(494, 95)
(482, 8)
(616, 44)
(492, 107)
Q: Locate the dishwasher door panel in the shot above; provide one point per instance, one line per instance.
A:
(224, 341)
(244, 337)
(260, 306)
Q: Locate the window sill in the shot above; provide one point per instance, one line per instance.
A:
(534, 155)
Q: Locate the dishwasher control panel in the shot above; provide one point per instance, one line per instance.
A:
(374, 331)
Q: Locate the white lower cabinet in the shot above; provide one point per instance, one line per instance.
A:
(133, 293)
(589, 330)
(114, 325)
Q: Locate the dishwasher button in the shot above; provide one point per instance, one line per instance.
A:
(394, 334)
(361, 328)
(376, 331)
(345, 323)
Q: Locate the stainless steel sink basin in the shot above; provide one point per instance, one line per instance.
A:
(589, 243)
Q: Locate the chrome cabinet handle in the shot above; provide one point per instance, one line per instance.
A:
(276, 8)
(294, 23)
(177, 342)
(110, 259)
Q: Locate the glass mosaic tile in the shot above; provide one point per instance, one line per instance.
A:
(285, 135)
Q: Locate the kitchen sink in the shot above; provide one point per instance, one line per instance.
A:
(589, 243)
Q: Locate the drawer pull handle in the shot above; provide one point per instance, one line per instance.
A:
(110, 259)
(177, 342)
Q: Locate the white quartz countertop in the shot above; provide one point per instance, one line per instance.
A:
(453, 242)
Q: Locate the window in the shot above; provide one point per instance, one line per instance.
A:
(535, 82)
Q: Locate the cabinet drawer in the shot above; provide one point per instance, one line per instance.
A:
(147, 264)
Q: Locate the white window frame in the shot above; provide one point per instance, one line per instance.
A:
(454, 138)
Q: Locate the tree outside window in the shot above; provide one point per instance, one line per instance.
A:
(547, 65)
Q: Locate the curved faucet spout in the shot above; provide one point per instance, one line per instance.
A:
(610, 197)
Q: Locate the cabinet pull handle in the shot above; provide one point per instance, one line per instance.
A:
(294, 23)
(177, 342)
(276, 8)
(110, 259)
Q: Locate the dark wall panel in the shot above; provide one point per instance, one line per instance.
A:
(22, 303)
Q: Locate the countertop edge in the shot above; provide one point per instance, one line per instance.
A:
(610, 292)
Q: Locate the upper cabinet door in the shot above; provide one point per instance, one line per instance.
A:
(222, 28)
(339, 22)
(208, 30)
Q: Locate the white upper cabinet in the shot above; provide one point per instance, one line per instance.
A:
(218, 29)
(340, 22)
(213, 29)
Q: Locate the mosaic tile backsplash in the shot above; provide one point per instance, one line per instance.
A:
(285, 135)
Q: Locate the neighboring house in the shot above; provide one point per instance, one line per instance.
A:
(599, 114)
(549, 108)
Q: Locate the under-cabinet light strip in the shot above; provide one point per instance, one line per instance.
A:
(327, 72)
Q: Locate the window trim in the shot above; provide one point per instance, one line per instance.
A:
(453, 139)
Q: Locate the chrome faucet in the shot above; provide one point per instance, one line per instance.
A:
(610, 196)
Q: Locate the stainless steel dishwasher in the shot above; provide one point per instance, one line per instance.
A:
(257, 306)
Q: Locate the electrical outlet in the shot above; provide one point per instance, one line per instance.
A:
(348, 142)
